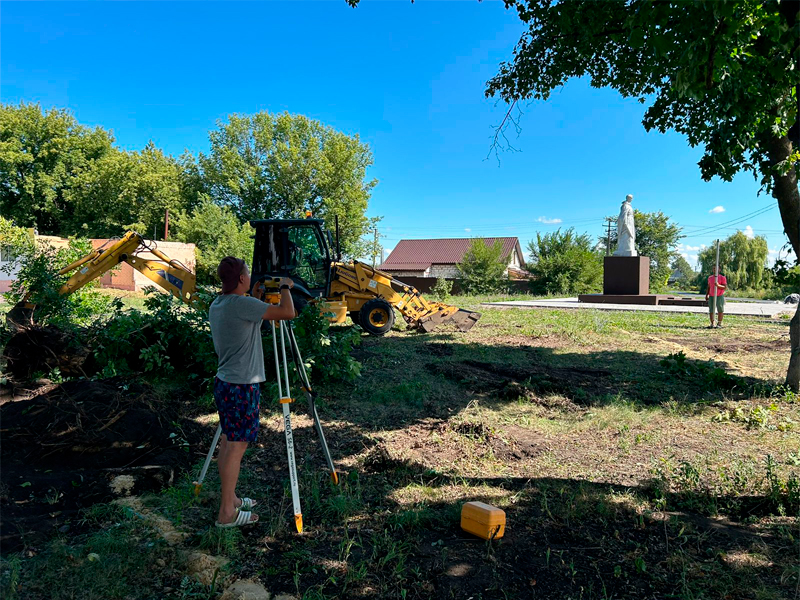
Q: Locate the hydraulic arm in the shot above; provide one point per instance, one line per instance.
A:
(169, 274)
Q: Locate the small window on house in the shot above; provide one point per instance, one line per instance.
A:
(7, 254)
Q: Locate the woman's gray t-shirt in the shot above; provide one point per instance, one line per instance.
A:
(236, 330)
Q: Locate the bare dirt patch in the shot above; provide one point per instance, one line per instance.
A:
(725, 345)
(532, 382)
(63, 450)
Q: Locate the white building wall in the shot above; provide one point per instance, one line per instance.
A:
(446, 271)
(409, 273)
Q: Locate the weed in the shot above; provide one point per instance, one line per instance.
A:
(225, 542)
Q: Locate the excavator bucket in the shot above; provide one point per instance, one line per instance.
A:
(463, 319)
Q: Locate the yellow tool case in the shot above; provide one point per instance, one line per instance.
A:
(484, 520)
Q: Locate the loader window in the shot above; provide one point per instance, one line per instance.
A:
(307, 254)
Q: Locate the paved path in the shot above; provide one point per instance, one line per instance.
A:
(750, 309)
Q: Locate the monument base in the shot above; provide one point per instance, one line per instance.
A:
(626, 275)
(646, 299)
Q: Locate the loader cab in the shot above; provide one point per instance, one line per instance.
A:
(295, 248)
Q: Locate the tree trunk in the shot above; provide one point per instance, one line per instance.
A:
(785, 191)
(793, 373)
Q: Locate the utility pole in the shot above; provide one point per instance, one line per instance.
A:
(166, 225)
(609, 221)
(375, 248)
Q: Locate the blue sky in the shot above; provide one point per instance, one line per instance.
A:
(407, 78)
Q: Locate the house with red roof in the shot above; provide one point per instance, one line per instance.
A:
(441, 257)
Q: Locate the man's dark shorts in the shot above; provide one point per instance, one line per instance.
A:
(237, 404)
(720, 304)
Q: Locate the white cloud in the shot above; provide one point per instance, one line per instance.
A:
(717, 209)
(548, 221)
(773, 251)
(703, 246)
(748, 232)
(467, 229)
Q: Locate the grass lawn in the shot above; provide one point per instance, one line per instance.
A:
(637, 455)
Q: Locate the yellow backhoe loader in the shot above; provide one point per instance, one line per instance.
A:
(301, 249)
(295, 248)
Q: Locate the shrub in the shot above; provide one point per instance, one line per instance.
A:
(170, 338)
(324, 350)
(564, 263)
(38, 279)
(441, 291)
(483, 268)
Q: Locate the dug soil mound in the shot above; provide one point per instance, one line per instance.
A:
(35, 349)
(81, 443)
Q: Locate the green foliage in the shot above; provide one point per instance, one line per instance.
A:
(685, 274)
(126, 191)
(657, 238)
(325, 351)
(442, 290)
(721, 73)
(42, 154)
(14, 240)
(169, 337)
(37, 277)
(482, 270)
(217, 233)
(742, 260)
(705, 376)
(786, 274)
(564, 263)
(278, 166)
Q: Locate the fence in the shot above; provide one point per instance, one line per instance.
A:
(425, 284)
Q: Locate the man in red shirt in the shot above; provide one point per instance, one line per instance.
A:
(717, 284)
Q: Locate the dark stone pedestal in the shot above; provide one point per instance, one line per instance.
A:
(623, 275)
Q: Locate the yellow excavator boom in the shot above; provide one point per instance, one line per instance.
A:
(169, 274)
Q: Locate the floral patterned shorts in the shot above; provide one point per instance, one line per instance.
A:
(237, 404)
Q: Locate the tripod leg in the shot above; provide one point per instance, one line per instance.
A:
(285, 400)
(199, 483)
(312, 406)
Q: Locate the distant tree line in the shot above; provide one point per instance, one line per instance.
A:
(64, 178)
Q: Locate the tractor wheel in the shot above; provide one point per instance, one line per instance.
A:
(376, 316)
(355, 317)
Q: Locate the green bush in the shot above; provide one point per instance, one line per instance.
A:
(564, 263)
(326, 351)
(482, 270)
(170, 338)
(441, 291)
(38, 278)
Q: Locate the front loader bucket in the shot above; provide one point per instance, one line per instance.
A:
(463, 319)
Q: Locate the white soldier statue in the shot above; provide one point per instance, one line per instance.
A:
(626, 230)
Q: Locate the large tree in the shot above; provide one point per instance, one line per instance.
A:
(278, 166)
(126, 190)
(41, 154)
(722, 73)
(742, 260)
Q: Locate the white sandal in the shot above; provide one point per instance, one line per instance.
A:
(243, 517)
(247, 504)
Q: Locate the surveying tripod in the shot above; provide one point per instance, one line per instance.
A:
(286, 333)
